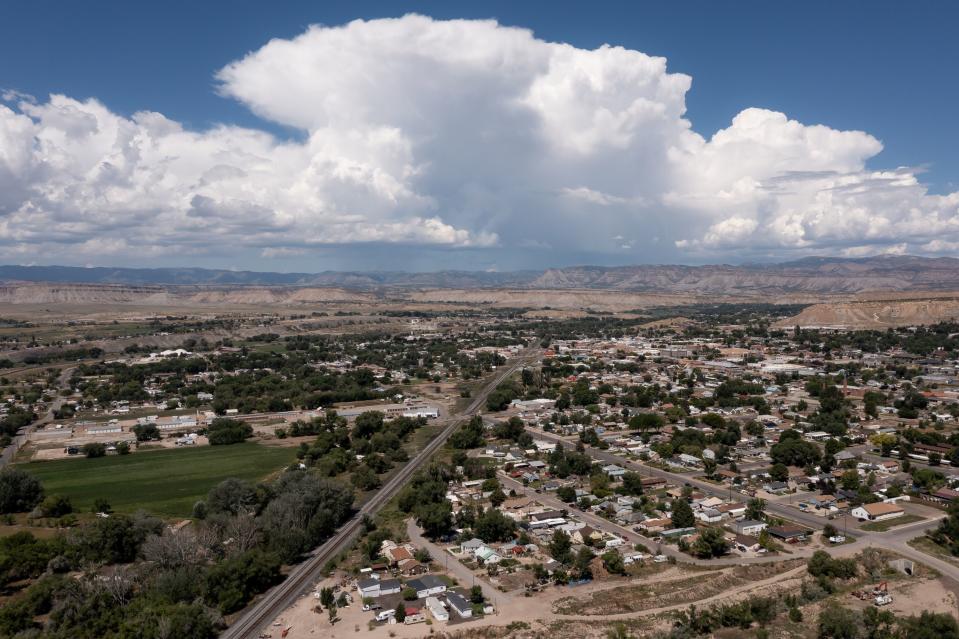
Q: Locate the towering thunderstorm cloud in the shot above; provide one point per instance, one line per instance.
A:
(460, 134)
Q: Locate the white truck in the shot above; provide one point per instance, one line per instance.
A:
(883, 600)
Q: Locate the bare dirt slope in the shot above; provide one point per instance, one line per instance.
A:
(877, 311)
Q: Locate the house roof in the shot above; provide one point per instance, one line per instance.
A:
(876, 510)
(426, 582)
(457, 600)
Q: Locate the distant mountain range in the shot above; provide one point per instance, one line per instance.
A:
(816, 275)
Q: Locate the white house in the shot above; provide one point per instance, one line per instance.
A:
(427, 585)
(709, 516)
(459, 603)
(749, 527)
(437, 609)
(878, 512)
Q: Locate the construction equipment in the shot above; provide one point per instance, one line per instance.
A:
(883, 600)
(881, 589)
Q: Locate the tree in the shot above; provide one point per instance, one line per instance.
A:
(19, 491)
(146, 432)
(632, 483)
(821, 564)
(55, 506)
(94, 449)
(710, 543)
(101, 505)
(582, 561)
(493, 526)
(232, 496)
(560, 547)
(794, 452)
(469, 436)
(365, 478)
(567, 494)
(399, 612)
(435, 518)
(779, 472)
(476, 594)
(224, 431)
(613, 562)
(836, 622)
(756, 509)
(409, 594)
(929, 625)
(682, 515)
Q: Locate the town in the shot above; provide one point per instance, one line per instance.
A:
(533, 472)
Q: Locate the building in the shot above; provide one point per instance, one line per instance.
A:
(749, 527)
(459, 604)
(427, 585)
(374, 588)
(877, 512)
(437, 609)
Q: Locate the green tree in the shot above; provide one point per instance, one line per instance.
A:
(682, 515)
(561, 547)
(19, 491)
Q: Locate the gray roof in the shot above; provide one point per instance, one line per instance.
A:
(426, 582)
(458, 601)
(366, 584)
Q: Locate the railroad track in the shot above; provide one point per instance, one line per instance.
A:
(257, 617)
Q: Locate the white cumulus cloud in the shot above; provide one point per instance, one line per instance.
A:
(460, 134)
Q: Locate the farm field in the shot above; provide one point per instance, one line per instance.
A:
(163, 482)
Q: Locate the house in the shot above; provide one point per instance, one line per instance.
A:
(844, 455)
(414, 615)
(733, 511)
(437, 609)
(877, 512)
(944, 495)
(487, 555)
(396, 554)
(790, 534)
(459, 604)
(368, 588)
(689, 460)
(776, 487)
(426, 585)
(374, 588)
(584, 535)
(749, 527)
(709, 515)
(614, 471)
(410, 567)
(655, 525)
(746, 543)
(471, 545)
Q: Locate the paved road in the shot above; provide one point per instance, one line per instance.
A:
(894, 539)
(8, 453)
(258, 616)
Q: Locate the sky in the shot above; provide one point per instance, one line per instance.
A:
(309, 136)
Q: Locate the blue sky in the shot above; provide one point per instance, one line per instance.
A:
(885, 68)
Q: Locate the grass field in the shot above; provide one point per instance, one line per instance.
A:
(162, 482)
(883, 526)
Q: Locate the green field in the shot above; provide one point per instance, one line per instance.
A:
(883, 526)
(162, 482)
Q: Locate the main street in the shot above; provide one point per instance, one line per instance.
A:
(895, 539)
(304, 575)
